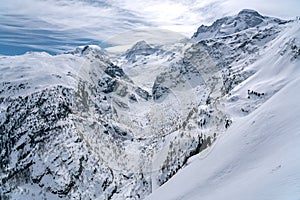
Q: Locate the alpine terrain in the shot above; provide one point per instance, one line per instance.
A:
(216, 116)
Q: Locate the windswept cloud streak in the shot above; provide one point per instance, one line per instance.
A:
(59, 25)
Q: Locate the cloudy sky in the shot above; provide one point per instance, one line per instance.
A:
(55, 25)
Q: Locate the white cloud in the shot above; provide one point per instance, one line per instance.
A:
(72, 21)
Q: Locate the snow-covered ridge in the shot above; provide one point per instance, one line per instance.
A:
(141, 48)
(244, 20)
(79, 125)
(64, 116)
(257, 157)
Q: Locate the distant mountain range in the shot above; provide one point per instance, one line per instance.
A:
(211, 117)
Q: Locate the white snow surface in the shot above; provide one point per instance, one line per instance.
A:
(258, 156)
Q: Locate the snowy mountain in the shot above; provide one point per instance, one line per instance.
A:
(140, 48)
(190, 120)
(258, 156)
(245, 19)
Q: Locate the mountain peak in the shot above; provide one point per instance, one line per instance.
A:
(249, 12)
(140, 45)
(245, 19)
(139, 48)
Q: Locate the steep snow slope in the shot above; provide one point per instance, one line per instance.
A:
(258, 156)
(76, 126)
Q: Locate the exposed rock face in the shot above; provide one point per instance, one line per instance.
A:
(141, 48)
(245, 19)
(44, 130)
(76, 126)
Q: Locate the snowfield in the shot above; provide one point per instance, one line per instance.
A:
(258, 157)
(213, 117)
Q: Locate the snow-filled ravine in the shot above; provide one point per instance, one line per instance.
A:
(212, 117)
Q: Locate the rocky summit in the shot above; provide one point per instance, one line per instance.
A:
(143, 124)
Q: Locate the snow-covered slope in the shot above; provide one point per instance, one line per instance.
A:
(245, 19)
(75, 126)
(79, 125)
(58, 128)
(258, 156)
